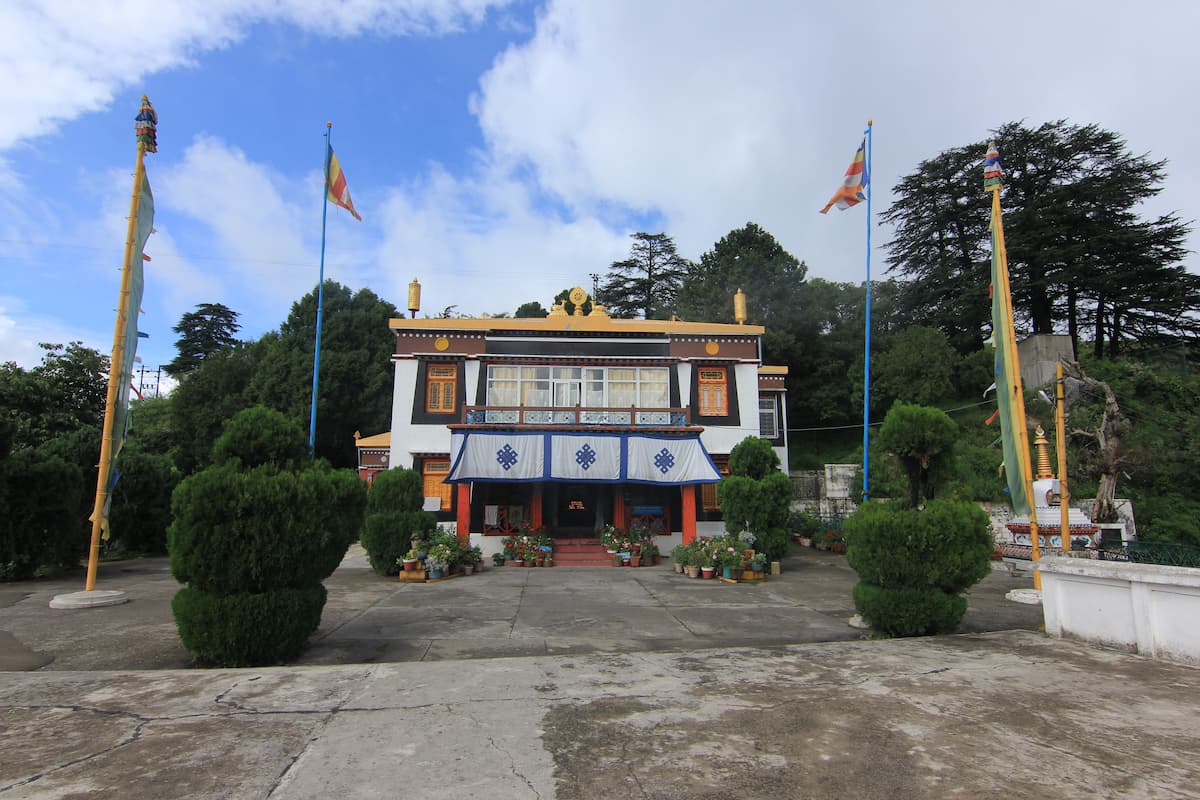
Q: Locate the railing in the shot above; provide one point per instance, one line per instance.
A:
(1162, 553)
(543, 416)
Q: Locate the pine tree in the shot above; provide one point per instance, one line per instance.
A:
(646, 283)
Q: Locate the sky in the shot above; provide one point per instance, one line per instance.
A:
(500, 151)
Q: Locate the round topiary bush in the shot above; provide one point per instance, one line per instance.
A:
(394, 518)
(254, 544)
(913, 565)
(242, 630)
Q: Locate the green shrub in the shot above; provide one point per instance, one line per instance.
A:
(388, 535)
(242, 630)
(909, 611)
(923, 439)
(141, 503)
(258, 436)
(396, 490)
(947, 546)
(754, 458)
(246, 532)
(804, 524)
(40, 498)
(773, 543)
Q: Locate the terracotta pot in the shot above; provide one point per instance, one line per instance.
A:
(679, 567)
(410, 564)
(635, 560)
(707, 572)
(693, 571)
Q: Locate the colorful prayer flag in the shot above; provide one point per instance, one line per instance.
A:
(1010, 404)
(992, 172)
(856, 183)
(335, 182)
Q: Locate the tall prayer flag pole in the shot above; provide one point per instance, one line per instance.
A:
(312, 417)
(1010, 396)
(855, 188)
(337, 191)
(867, 354)
(121, 364)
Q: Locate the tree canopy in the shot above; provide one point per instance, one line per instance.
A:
(203, 332)
(646, 283)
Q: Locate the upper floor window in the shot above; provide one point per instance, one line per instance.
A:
(714, 391)
(768, 418)
(441, 388)
(567, 387)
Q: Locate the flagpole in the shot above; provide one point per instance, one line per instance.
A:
(115, 371)
(867, 347)
(1018, 399)
(312, 419)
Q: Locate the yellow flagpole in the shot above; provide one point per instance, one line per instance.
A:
(1022, 431)
(115, 371)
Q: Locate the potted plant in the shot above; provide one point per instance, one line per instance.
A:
(410, 560)
(437, 560)
(498, 559)
(650, 552)
(730, 558)
(679, 557)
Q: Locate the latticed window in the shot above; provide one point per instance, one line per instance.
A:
(433, 472)
(714, 394)
(441, 382)
(768, 418)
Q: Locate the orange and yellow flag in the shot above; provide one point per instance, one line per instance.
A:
(335, 184)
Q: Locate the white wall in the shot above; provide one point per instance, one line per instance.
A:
(1145, 608)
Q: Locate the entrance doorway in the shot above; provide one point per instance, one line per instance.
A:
(576, 509)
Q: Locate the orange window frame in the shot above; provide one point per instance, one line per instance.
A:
(441, 389)
(713, 388)
(433, 473)
(710, 500)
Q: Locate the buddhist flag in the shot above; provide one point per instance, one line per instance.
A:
(1010, 404)
(855, 185)
(992, 173)
(335, 183)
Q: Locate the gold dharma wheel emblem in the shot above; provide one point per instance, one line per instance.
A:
(578, 296)
(441, 343)
(712, 348)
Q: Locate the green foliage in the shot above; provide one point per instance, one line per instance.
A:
(141, 502)
(40, 496)
(203, 332)
(247, 630)
(260, 530)
(395, 490)
(909, 611)
(754, 458)
(923, 439)
(395, 518)
(946, 547)
(387, 536)
(258, 436)
(211, 395)
(645, 284)
(533, 309)
(917, 368)
(804, 524)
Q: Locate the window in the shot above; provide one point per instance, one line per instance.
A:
(591, 387)
(768, 419)
(714, 399)
(441, 387)
(433, 472)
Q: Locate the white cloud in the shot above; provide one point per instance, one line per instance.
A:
(65, 58)
(22, 329)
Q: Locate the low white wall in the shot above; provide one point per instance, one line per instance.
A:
(1145, 608)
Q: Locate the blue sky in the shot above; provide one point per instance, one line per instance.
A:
(502, 151)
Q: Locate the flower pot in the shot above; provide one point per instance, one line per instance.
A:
(410, 564)
(436, 573)
(547, 562)
(707, 572)
(617, 560)
(806, 541)
(468, 569)
(692, 571)
(635, 560)
(515, 562)
(679, 567)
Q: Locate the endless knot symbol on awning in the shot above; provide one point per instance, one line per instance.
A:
(664, 460)
(507, 457)
(585, 457)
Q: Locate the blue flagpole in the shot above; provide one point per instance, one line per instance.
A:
(312, 418)
(867, 353)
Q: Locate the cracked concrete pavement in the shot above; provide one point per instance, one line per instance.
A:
(622, 683)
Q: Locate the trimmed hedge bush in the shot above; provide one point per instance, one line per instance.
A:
(396, 490)
(256, 531)
(909, 611)
(40, 498)
(388, 535)
(141, 504)
(913, 565)
(243, 630)
(260, 435)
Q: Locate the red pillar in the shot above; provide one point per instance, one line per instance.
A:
(618, 516)
(689, 513)
(464, 514)
(535, 512)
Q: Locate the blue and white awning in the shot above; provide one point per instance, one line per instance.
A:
(579, 457)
